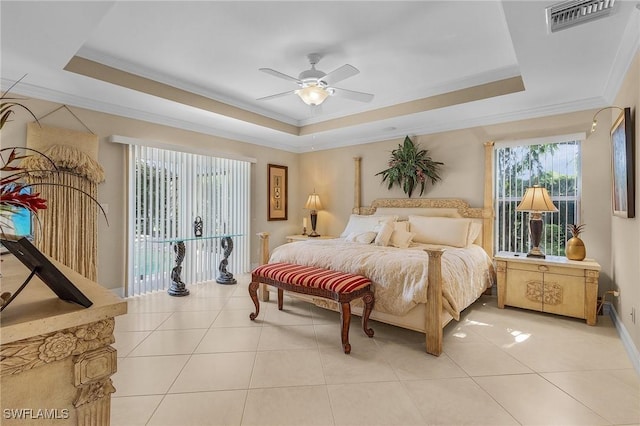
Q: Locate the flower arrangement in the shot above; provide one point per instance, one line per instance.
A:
(410, 166)
(12, 192)
(16, 191)
(12, 188)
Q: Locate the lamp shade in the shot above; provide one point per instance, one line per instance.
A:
(313, 202)
(312, 95)
(536, 199)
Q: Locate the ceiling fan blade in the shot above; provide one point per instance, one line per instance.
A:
(280, 75)
(353, 95)
(277, 95)
(340, 74)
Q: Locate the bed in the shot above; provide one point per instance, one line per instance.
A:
(421, 286)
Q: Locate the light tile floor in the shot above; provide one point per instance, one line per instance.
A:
(199, 360)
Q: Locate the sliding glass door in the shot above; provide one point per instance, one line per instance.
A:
(171, 193)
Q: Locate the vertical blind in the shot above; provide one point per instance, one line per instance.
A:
(168, 191)
(555, 166)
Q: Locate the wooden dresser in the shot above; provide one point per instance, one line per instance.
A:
(56, 358)
(555, 284)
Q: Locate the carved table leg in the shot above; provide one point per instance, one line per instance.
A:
(92, 379)
(253, 292)
(345, 317)
(177, 287)
(368, 307)
(224, 276)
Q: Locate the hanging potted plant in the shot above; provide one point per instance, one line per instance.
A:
(575, 249)
(410, 166)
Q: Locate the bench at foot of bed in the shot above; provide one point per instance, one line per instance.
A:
(318, 282)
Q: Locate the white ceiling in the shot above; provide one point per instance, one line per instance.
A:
(405, 51)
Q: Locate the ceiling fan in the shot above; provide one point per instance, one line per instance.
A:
(315, 85)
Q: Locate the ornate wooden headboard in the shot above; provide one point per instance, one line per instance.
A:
(461, 208)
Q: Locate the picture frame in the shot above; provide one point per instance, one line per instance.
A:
(622, 166)
(277, 191)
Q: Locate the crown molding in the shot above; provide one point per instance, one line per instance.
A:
(27, 89)
(498, 74)
(46, 94)
(485, 120)
(101, 58)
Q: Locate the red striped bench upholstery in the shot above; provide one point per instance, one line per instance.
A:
(334, 285)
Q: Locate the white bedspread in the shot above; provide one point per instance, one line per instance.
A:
(399, 275)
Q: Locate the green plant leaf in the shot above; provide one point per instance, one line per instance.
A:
(410, 166)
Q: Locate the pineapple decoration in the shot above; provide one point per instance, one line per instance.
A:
(575, 249)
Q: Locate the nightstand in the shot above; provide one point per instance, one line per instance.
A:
(291, 238)
(555, 284)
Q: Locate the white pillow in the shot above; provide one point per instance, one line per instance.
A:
(440, 230)
(363, 223)
(384, 234)
(474, 232)
(361, 237)
(401, 239)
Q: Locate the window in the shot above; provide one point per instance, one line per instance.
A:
(554, 164)
(168, 191)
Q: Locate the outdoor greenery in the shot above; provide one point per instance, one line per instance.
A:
(521, 167)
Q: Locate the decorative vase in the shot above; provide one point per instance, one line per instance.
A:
(575, 249)
(197, 227)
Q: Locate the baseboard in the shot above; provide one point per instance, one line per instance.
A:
(627, 342)
(118, 291)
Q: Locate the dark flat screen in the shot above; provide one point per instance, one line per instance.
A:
(33, 259)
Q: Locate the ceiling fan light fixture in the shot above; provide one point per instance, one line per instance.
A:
(312, 95)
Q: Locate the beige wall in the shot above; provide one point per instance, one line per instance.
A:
(625, 233)
(331, 172)
(112, 238)
(612, 241)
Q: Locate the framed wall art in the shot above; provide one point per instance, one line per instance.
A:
(622, 166)
(277, 190)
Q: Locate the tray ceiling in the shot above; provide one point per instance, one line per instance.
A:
(432, 65)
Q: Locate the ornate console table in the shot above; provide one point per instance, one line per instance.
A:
(177, 287)
(55, 357)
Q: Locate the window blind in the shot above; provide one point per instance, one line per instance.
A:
(554, 165)
(168, 190)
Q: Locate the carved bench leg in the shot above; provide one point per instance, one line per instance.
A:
(368, 307)
(345, 317)
(253, 292)
(280, 298)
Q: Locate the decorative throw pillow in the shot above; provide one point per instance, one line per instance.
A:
(364, 223)
(384, 234)
(401, 226)
(361, 237)
(401, 239)
(440, 230)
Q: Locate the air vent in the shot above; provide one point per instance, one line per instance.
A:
(570, 13)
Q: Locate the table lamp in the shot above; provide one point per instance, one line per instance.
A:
(536, 200)
(313, 204)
